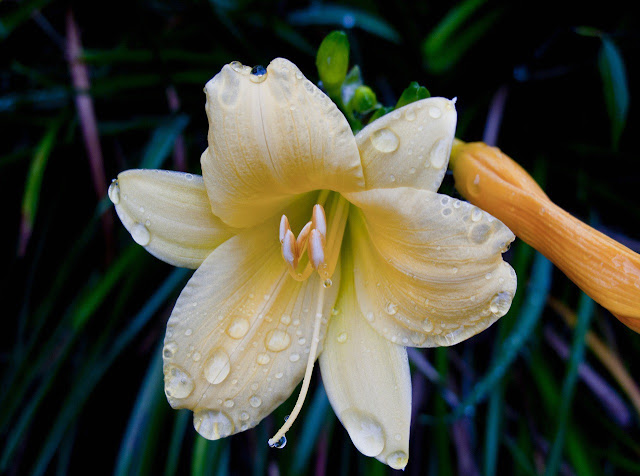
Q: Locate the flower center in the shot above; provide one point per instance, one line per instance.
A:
(321, 238)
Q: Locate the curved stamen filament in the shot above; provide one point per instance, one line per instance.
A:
(307, 374)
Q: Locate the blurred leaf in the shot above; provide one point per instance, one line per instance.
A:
(412, 93)
(332, 59)
(161, 143)
(344, 17)
(182, 418)
(585, 312)
(380, 112)
(352, 81)
(616, 89)
(452, 38)
(204, 456)
(17, 17)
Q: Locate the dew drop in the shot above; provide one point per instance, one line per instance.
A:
(439, 154)
(277, 340)
(427, 325)
(391, 308)
(244, 416)
(114, 192)
(258, 74)
(238, 328)
(365, 432)
(140, 234)
(397, 459)
(294, 357)
(281, 443)
(327, 283)
(217, 367)
(302, 341)
(479, 233)
(500, 303)
(410, 115)
(212, 424)
(177, 382)
(229, 403)
(457, 204)
(189, 177)
(237, 66)
(488, 276)
(445, 200)
(385, 140)
(188, 332)
(412, 170)
(255, 401)
(370, 316)
(169, 350)
(263, 359)
(435, 112)
(286, 320)
(446, 212)
(342, 337)
(476, 214)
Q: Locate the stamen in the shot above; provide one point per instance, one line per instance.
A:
(284, 226)
(289, 249)
(319, 220)
(316, 249)
(307, 374)
(301, 242)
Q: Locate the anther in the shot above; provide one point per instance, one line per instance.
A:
(289, 249)
(284, 226)
(319, 220)
(316, 248)
(301, 242)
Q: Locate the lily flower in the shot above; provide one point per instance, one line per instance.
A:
(604, 269)
(309, 241)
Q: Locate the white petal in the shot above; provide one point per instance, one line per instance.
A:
(238, 338)
(271, 137)
(428, 268)
(169, 214)
(368, 381)
(409, 147)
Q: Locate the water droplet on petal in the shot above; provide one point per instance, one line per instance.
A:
(410, 115)
(258, 74)
(385, 140)
(277, 340)
(244, 416)
(476, 214)
(342, 337)
(217, 367)
(327, 283)
(446, 212)
(427, 325)
(435, 112)
(169, 350)
(397, 459)
(479, 233)
(212, 424)
(237, 66)
(140, 234)
(238, 328)
(365, 432)
(114, 192)
(500, 303)
(294, 357)
(229, 403)
(263, 359)
(177, 382)
(439, 154)
(255, 401)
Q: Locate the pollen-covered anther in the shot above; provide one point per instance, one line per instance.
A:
(289, 252)
(319, 221)
(316, 249)
(284, 226)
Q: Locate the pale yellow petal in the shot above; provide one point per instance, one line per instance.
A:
(238, 338)
(428, 268)
(367, 381)
(270, 138)
(409, 147)
(169, 214)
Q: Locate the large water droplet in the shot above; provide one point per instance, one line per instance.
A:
(385, 140)
(439, 154)
(365, 432)
(258, 74)
(397, 459)
(169, 350)
(212, 424)
(237, 66)
(114, 192)
(140, 234)
(277, 340)
(177, 382)
(500, 303)
(238, 328)
(255, 401)
(217, 367)
(479, 233)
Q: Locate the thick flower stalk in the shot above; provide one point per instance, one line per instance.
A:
(311, 242)
(603, 268)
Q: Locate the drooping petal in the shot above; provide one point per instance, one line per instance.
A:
(428, 268)
(273, 134)
(169, 214)
(238, 338)
(367, 380)
(409, 147)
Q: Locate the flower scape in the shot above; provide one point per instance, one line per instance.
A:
(312, 243)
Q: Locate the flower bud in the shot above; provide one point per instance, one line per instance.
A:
(332, 59)
(603, 268)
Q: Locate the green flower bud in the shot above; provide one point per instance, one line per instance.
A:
(332, 59)
(363, 100)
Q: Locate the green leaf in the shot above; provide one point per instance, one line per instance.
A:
(414, 92)
(616, 89)
(162, 140)
(345, 17)
(17, 17)
(352, 82)
(332, 59)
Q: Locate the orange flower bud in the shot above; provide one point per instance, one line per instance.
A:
(603, 268)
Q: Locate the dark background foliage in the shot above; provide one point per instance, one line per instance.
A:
(552, 83)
